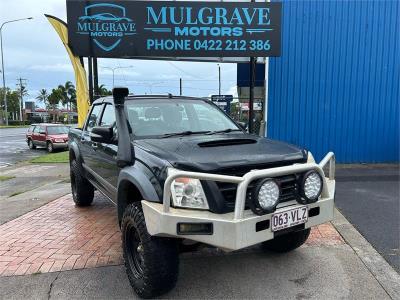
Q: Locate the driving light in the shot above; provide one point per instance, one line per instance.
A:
(312, 186)
(265, 197)
(188, 193)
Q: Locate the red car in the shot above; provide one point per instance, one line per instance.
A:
(51, 136)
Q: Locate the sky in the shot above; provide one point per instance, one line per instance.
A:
(33, 51)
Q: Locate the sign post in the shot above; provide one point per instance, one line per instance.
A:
(223, 101)
(217, 31)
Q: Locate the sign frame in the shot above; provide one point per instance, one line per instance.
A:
(222, 57)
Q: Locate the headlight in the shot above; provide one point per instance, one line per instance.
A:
(312, 186)
(59, 141)
(265, 197)
(188, 193)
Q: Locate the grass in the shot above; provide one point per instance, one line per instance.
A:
(5, 178)
(55, 158)
(13, 126)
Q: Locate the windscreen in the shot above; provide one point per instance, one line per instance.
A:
(158, 117)
(57, 130)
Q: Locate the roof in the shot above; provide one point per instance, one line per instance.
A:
(48, 124)
(110, 99)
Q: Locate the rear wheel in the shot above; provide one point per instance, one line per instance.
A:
(50, 147)
(287, 242)
(151, 263)
(31, 145)
(82, 189)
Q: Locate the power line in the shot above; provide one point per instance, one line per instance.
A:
(183, 71)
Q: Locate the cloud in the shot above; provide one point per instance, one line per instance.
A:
(34, 51)
(52, 68)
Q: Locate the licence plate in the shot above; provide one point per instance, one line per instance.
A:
(289, 218)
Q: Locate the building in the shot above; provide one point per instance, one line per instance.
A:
(336, 85)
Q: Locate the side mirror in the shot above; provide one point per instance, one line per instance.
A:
(102, 135)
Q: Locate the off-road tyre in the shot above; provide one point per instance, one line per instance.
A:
(82, 189)
(151, 263)
(287, 242)
(31, 145)
(50, 147)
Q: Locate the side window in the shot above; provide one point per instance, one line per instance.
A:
(93, 117)
(42, 130)
(108, 118)
(36, 129)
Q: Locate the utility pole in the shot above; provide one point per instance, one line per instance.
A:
(2, 62)
(253, 62)
(180, 86)
(252, 78)
(96, 78)
(90, 78)
(21, 85)
(113, 69)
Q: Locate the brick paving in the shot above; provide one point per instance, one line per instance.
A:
(60, 236)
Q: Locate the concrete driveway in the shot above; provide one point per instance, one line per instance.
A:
(74, 253)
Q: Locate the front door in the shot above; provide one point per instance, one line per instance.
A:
(87, 147)
(106, 167)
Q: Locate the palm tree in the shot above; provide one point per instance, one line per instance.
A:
(103, 91)
(72, 99)
(68, 91)
(54, 99)
(43, 97)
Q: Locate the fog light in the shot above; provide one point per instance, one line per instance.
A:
(195, 229)
(265, 197)
(311, 187)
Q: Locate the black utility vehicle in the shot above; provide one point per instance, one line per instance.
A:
(182, 173)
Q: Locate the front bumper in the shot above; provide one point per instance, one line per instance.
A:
(237, 230)
(60, 145)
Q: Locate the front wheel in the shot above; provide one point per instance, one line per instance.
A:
(287, 242)
(50, 147)
(151, 263)
(31, 145)
(82, 189)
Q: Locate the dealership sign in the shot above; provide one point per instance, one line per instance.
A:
(174, 28)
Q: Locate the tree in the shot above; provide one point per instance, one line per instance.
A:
(12, 101)
(103, 91)
(68, 94)
(73, 100)
(43, 97)
(54, 99)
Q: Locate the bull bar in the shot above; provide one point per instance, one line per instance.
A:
(161, 219)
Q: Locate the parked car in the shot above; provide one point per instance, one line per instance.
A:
(180, 170)
(51, 136)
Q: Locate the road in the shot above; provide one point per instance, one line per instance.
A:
(369, 197)
(13, 147)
